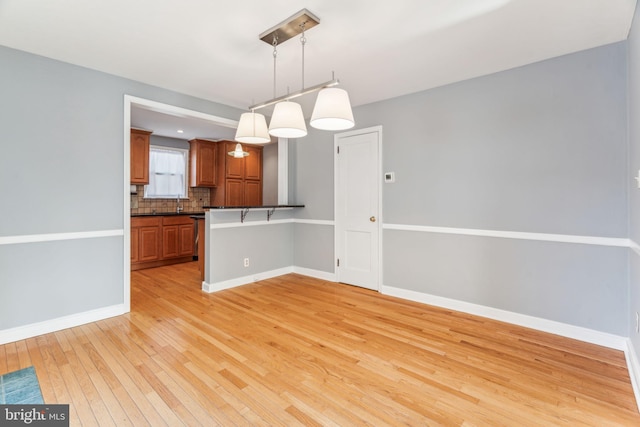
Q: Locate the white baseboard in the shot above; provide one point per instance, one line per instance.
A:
(634, 369)
(323, 275)
(53, 325)
(570, 331)
(228, 284)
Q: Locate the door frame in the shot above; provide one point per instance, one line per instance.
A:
(336, 138)
(129, 102)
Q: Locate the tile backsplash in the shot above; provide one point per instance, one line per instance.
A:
(198, 197)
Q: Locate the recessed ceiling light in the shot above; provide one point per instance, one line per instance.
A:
(180, 131)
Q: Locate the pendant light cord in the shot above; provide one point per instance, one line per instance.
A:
(303, 41)
(275, 56)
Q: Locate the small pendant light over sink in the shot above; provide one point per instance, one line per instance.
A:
(238, 153)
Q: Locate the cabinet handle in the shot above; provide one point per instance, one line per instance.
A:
(372, 219)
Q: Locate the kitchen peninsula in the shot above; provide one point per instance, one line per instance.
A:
(245, 243)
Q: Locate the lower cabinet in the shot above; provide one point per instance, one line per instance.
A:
(177, 236)
(135, 239)
(161, 240)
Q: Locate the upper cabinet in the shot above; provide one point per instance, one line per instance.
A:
(239, 179)
(139, 156)
(253, 163)
(203, 163)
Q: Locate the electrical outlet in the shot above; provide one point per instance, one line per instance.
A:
(246, 262)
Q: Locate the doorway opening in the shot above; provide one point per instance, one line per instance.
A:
(130, 103)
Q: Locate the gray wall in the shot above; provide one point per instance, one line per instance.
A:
(270, 174)
(311, 175)
(268, 246)
(164, 141)
(541, 149)
(634, 166)
(62, 169)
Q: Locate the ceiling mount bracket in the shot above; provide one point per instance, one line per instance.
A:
(290, 27)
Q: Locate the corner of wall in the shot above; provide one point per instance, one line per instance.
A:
(633, 364)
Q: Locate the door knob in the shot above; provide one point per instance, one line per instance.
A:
(372, 219)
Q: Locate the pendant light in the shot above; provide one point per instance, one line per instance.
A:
(252, 129)
(332, 110)
(287, 121)
(238, 153)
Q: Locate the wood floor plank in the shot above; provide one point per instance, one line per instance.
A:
(48, 347)
(3, 360)
(13, 363)
(43, 375)
(105, 398)
(24, 359)
(295, 350)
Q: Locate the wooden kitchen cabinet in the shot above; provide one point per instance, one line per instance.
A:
(149, 244)
(239, 180)
(161, 240)
(234, 192)
(252, 193)
(139, 154)
(169, 241)
(145, 239)
(177, 236)
(253, 163)
(202, 163)
(233, 167)
(186, 240)
(135, 240)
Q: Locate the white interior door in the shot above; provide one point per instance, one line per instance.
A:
(357, 190)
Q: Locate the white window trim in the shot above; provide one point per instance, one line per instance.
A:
(186, 173)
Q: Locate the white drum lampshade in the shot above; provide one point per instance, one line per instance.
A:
(287, 121)
(252, 129)
(332, 110)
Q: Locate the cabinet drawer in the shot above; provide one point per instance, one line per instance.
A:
(177, 220)
(146, 221)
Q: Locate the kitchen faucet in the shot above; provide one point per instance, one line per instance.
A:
(178, 207)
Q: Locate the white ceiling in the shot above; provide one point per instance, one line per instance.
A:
(379, 50)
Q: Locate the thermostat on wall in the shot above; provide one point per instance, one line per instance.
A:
(389, 177)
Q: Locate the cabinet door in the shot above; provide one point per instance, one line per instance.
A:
(203, 164)
(253, 193)
(234, 167)
(234, 192)
(253, 163)
(139, 157)
(149, 249)
(135, 244)
(186, 234)
(170, 237)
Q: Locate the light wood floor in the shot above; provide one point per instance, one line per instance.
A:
(300, 351)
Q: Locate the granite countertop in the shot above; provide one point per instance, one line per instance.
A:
(168, 214)
(254, 207)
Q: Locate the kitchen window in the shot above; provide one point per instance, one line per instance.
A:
(167, 173)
